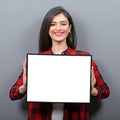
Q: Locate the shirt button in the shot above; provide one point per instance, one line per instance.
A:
(65, 110)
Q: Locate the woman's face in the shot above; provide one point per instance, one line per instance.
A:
(59, 28)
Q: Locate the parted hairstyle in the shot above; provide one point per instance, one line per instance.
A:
(45, 42)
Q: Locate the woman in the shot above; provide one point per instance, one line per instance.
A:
(58, 36)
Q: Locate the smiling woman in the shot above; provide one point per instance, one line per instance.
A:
(59, 30)
(57, 25)
(58, 36)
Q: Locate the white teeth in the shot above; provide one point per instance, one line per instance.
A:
(58, 33)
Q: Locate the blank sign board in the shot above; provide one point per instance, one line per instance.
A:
(58, 78)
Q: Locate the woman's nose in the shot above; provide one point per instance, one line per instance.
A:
(58, 27)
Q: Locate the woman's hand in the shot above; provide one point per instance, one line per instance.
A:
(22, 88)
(24, 73)
(94, 91)
(93, 79)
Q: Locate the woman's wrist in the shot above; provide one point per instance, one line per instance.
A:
(94, 91)
(22, 89)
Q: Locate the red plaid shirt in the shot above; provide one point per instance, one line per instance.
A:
(72, 111)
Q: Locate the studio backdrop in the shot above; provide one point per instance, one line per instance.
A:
(98, 30)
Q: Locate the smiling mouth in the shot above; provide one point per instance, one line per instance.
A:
(58, 33)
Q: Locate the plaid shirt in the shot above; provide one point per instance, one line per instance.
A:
(72, 111)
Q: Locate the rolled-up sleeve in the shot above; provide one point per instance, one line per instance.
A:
(14, 91)
(101, 85)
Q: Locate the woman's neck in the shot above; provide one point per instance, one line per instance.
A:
(58, 49)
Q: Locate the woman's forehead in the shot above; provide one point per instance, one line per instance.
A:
(59, 17)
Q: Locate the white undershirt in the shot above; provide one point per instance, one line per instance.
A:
(57, 111)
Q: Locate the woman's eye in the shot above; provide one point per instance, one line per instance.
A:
(63, 23)
(52, 24)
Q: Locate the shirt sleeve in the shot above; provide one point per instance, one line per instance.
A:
(14, 91)
(101, 85)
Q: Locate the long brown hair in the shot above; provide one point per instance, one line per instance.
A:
(45, 42)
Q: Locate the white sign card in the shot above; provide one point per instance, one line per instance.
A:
(58, 78)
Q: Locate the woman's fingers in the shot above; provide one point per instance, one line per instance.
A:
(24, 72)
(93, 79)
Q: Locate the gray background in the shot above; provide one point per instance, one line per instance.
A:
(98, 28)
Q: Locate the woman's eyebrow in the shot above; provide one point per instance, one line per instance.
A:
(60, 21)
(64, 21)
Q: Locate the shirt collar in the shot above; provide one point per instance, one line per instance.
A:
(63, 53)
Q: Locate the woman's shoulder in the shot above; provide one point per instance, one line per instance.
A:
(83, 52)
(78, 52)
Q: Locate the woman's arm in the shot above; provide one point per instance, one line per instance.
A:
(18, 90)
(99, 88)
(14, 93)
